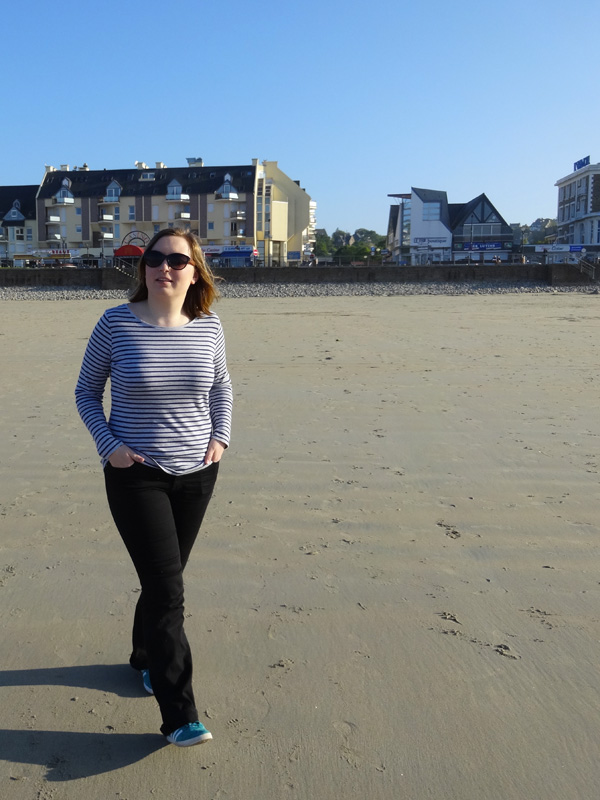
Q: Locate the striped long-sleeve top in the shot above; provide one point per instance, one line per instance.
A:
(170, 389)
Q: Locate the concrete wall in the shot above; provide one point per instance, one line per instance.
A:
(52, 276)
(554, 275)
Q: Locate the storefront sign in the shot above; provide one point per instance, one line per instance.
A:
(483, 246)
(433, 241)
(230, 251)
(558, 248)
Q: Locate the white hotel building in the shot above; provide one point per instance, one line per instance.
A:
(578, 214)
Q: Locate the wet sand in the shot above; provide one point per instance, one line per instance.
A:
(396, 590)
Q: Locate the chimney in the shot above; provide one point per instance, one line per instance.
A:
(141, 165)
(64, 167)
(160, 165)
(195, 161)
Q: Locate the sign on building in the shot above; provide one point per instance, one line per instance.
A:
(583, 162)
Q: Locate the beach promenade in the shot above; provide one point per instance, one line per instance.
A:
(396, 592)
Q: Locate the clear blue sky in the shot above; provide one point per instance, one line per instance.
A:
(355, 100)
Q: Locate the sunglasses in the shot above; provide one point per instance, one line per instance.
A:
(154, 258)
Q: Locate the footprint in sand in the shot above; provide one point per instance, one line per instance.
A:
(348, 731)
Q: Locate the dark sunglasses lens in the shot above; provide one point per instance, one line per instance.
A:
(154, 258)
(178, 260)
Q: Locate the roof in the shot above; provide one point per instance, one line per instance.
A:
(480, 206)
(24, 194)
(193, 180)
(431, 195)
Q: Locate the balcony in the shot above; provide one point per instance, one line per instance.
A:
(110, 200)
(106, 236)
(53, 219)
(239, 234)
(51, 236)
(105, 217)
(177, 198)
(238, 215)
(63, 201)
(183, 215)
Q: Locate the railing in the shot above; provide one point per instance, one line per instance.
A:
(125, 267)
(587, 268)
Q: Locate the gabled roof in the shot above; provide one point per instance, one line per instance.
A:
(480, 207)
(24, 194)
(193, 180)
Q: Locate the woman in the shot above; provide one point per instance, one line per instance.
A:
(169, 424)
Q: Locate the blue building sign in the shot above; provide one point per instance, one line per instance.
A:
(482, 246)
(583, 162)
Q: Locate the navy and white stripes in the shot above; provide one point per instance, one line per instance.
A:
(170, 389)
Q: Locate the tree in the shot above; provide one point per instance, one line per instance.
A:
(372, 238)
(323, 246)
(353, 252)
(340, 238)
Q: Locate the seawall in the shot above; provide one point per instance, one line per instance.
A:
(553, 275)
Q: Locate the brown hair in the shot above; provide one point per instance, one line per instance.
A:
(200, 295)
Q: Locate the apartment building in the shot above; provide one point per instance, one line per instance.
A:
(240, 212)
(18, 229)
(423, 228)
(578, 214)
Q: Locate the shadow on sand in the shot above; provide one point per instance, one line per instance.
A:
(119, 679)
(72, 755)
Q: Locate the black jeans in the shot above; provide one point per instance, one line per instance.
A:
(159, 516)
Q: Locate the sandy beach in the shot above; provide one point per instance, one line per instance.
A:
(396, 592)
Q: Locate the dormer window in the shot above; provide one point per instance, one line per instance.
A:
(175, 194)
(227, 191)
(15, 212)
(147, 176)
(114, 190)
(65, 190)
(64, 194)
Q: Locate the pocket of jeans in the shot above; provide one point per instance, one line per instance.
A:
(207, 477)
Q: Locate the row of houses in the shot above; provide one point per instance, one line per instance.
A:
(423, 227)
(244, 213)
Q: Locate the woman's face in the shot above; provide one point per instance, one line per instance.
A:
(165, 281)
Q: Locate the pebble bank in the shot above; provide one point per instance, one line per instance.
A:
(244, 290)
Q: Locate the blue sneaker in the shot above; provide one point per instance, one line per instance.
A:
(187, 735)
(146, 680)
